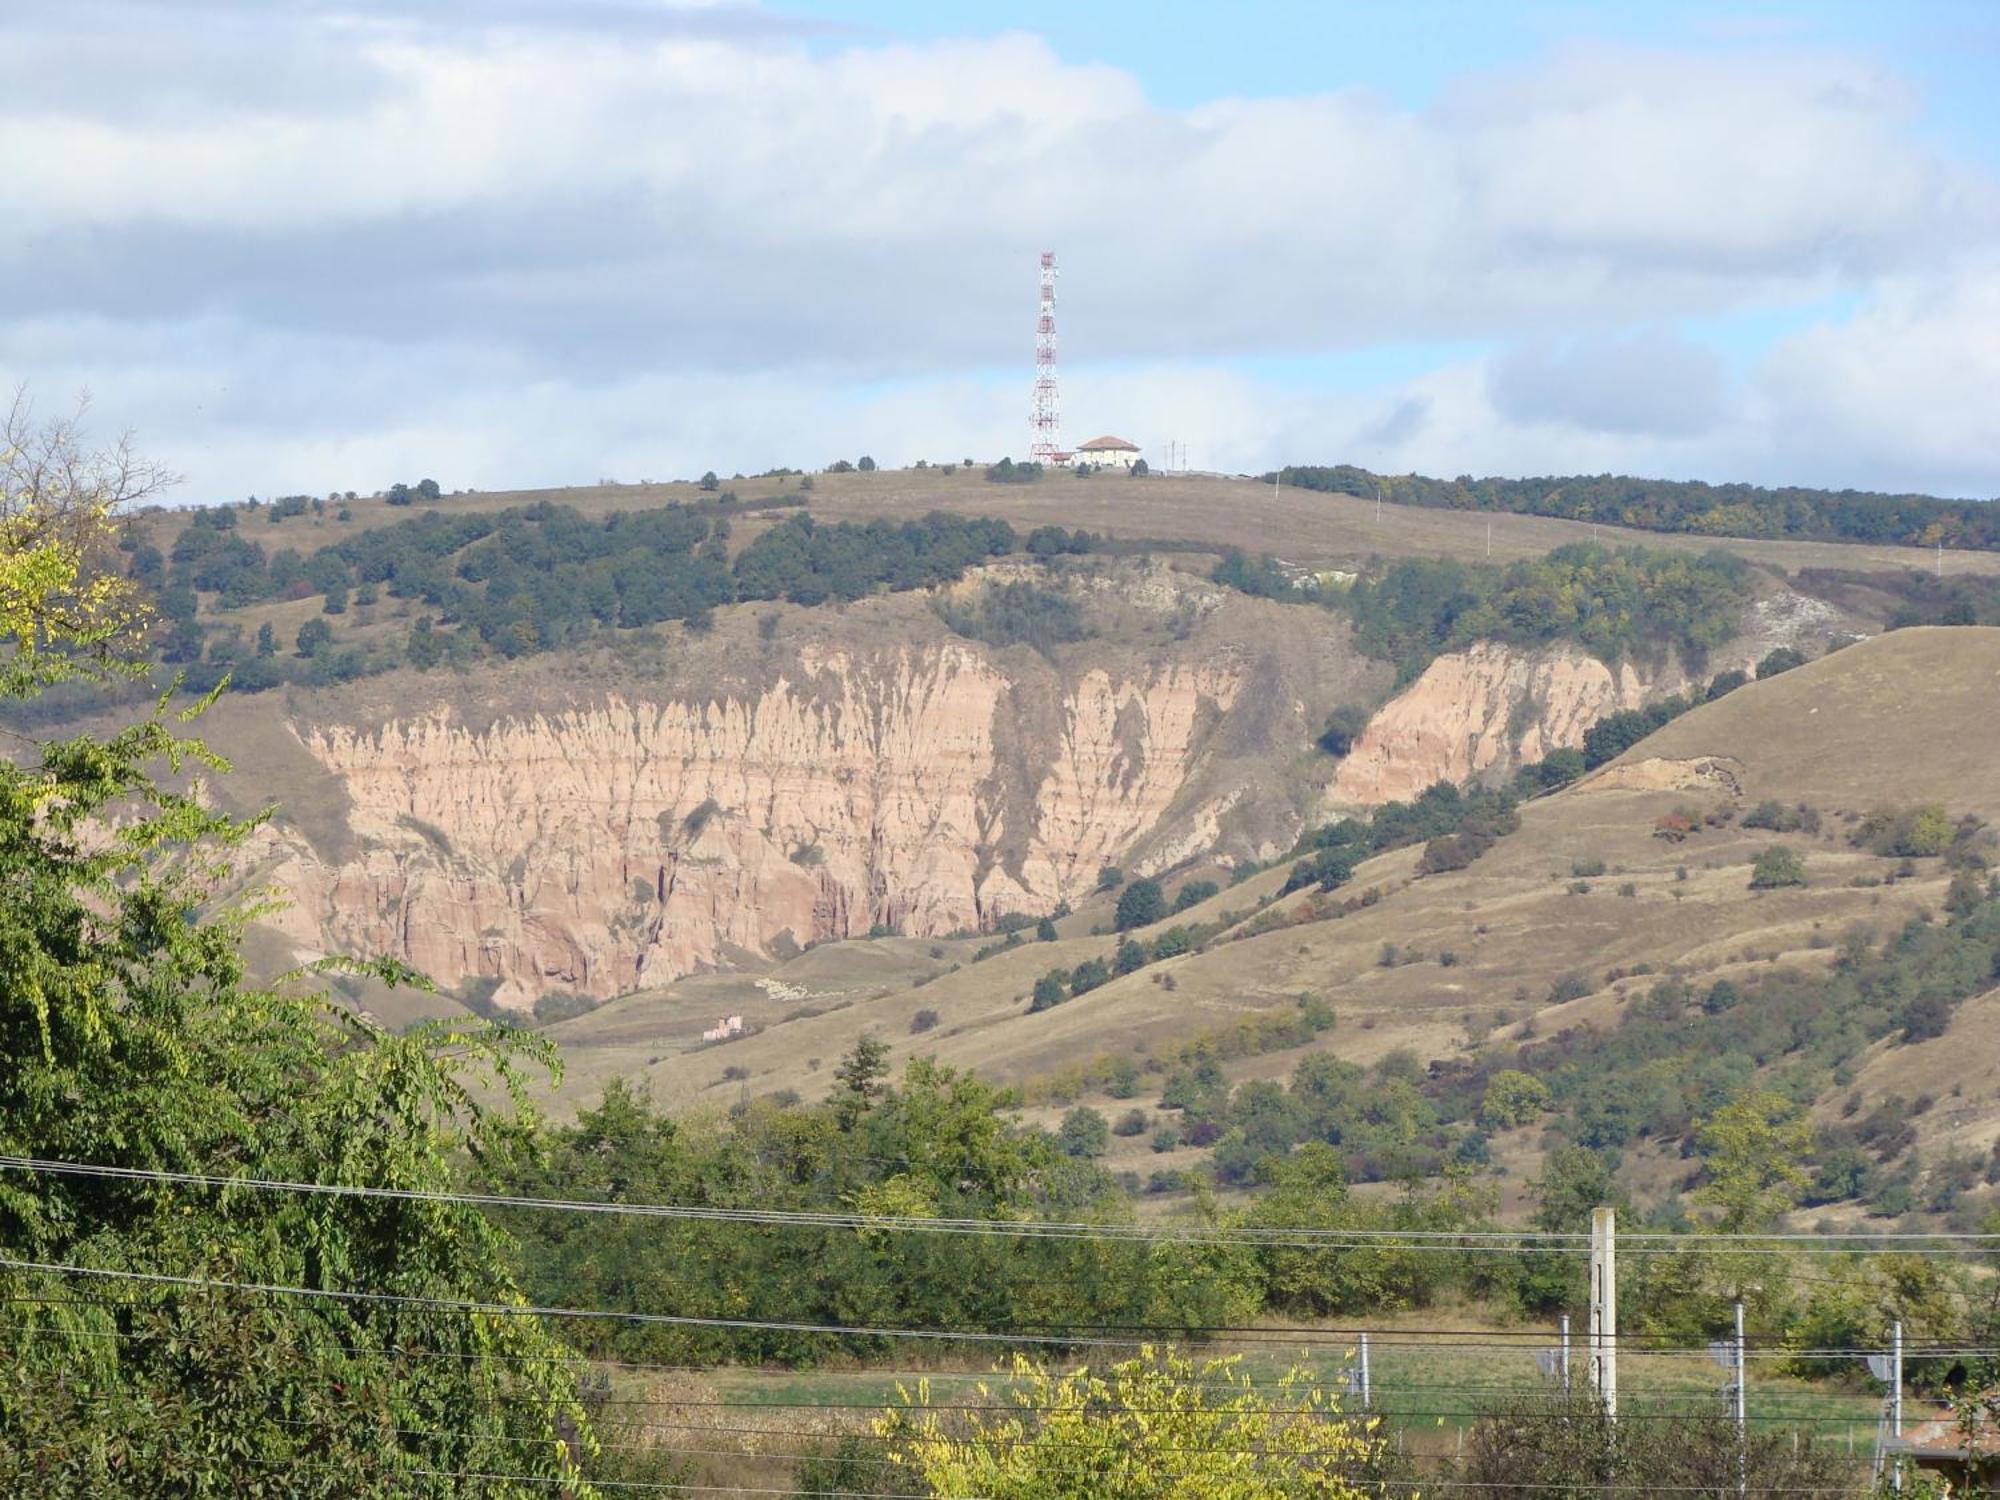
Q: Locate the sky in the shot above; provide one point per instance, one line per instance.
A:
(318, 245)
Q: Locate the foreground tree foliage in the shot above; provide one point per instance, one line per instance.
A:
(132, 1037)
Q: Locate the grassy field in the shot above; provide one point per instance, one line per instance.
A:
(1430, 1388)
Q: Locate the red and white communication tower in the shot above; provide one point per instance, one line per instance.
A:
(1045, 416)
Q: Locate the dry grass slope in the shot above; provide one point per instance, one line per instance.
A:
(1903, 718)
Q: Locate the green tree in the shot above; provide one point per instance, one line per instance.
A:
(425, 647)
(135, 1038)
(267, 640)
(313, 637)
(1045, 930)
(710, 482)
(1777, 866)
(1754, 1151)
(1574, 1180)
(1343, 728)
(1051, 989)
(859, 1079)
(1783, 659)
(1084, 1134)
(1145, 1428)
(1140, 904)
(1513, 1098)
(865, 464)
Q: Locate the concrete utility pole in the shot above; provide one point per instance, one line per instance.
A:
(1604, 1307)
(1365, 1390)
(1896, 1378)
(1742, 1410)
(1565, 1354)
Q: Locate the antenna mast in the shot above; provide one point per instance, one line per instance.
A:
(1045, 415)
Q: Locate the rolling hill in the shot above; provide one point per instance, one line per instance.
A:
(840, 804)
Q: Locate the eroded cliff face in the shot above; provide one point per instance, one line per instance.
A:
(1487, 709)
(605, 848)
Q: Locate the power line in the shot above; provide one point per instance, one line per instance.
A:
(1450, 1240)
(1274, 1339)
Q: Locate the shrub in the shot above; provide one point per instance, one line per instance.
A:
(1132, 1122)
(1568, 987)
(1513, 1098)
(1329, 869)
(1088, 975)
(1110, 878)
(1778, 818)
(1586, 868)
(1009, 472)
(1015, 614)
(1167, 1138)
(1725, 683)
(1123, 1079)
(1140, 904)
(1917, 832)
(1051, 989)
(922, 1021)
(561, 1005)
(1045, 930)
(1083, 1134)
(1777, 866)
(313, 637)
(1193, 893)
(1781, 660)
(1129, 959)
(1343, 728)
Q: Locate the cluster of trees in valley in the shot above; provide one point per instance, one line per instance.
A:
(1628, 601)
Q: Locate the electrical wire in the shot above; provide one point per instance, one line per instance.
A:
(1509, 1241)
(1303, 1339)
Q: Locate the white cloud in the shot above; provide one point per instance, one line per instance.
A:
(605, 230)
(1649, 382)
(1904, 391)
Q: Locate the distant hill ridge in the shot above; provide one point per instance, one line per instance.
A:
(1682, 505)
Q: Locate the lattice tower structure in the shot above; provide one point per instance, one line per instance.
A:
(1045, 414)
